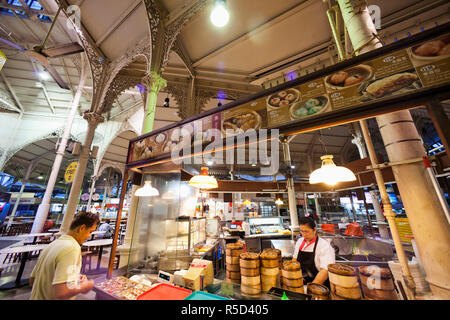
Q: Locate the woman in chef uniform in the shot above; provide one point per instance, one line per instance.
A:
(313, 253)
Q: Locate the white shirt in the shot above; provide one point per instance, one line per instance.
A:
(59, 263)
(325, 254)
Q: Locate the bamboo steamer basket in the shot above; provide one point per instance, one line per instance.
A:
(249, 260)
(270, 277)
(235, 281)
(271, 254)
(318, 291)
(233, 275)
(292, 282)
(250, 272)
(251, 281)
(291, 270)
(234, 249)
(232, 260)
(270, 271)
(249, 264)
(270, 263)
(295, 289)
(347, 293)
(233, 267)
(343, 275)
(379, 294)
(291, 274)
(234, 252)
(344, 281)
(251, 290)
(267, 286)
(377, 283)
(376, 278)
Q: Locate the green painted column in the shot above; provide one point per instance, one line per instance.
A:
(155, 84)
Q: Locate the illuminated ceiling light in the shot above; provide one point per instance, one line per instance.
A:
(331, 174)
(279, 202)
(203, 180)
(219, 15)
(147, 190)
(40, 177)
(209, 162)
(247, 202)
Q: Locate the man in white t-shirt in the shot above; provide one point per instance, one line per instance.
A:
(57, 271)
(313, 253)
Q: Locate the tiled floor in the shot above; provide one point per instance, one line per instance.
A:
(24, 293)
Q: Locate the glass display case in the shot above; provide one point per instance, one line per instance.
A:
(190, 231)
(266, 225)
(162, 236)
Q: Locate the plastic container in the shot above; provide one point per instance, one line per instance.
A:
(164, 291)
(200, 295)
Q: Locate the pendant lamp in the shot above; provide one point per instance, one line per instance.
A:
(279, 202)
(247, 202)
(203, 180)
(147, 190)
(331, 174)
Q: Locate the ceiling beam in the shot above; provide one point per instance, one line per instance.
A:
(119, 21)
(44, 89)
(11, 91)
(175, 14)
(180, 49)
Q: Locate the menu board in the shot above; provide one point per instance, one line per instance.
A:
(401, 72)
(252, 115)
(165, 142)
(396, 73)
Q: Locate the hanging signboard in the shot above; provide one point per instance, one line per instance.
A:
(70, 172)
(383, 80)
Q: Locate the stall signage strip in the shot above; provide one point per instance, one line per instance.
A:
(401, 72)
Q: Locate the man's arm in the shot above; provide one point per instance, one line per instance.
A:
(63, 291)
(321, 277)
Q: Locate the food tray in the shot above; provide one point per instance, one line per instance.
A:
(165, 292)
(200, 295)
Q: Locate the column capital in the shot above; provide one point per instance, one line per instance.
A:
(155, 82)
(93, 118)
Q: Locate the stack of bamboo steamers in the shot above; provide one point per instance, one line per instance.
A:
(250, 274)
(233, 251)
(270, 268)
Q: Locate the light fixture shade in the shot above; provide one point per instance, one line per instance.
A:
(279, 202)
(219, 15)
(331, 174)
(203, 180)
(147, 190)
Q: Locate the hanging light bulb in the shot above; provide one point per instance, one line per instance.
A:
(147, 190)
(219, 15)
(203, 180)
(279, 202)
(331, 174)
